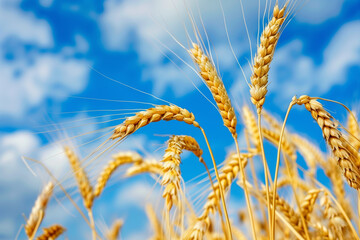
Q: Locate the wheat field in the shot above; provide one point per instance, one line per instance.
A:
(209, 151)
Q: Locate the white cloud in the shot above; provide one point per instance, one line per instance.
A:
(16, 181)
(314, 12)
(294, 73)
(138, 194)
(23, 26)
(143, 25)
(26, 85)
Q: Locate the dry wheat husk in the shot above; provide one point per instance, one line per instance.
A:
(155, 114)
(83, 182)
(51, 233)
(38, 210)
(171, 166)
(215, 84)
(151, 166)
(334, 138)
(118, 160)
(263, 57)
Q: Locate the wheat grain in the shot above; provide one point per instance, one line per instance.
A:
(322, 232)
(215, 84)
(83, 182)
(249, 120)
(334, 139)
(307, 205)
(262, 60)
(51, 233)
(160, 112)
(171, 166)
(286, 145)
(149, 166)
(118, 160)
(291, 216)
(38, 210)
(354, 130)
(337, 223)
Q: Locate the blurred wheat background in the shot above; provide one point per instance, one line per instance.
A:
(63, 65)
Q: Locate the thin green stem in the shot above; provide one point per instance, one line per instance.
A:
(220, 185)
(248, 203)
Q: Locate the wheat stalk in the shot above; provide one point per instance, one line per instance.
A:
(51, 233)
(160, 112)
(118, 160)
(215, 84)
(38, 210)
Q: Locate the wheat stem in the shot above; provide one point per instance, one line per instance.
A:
(292, 103)
(248, 203)
(220, 185)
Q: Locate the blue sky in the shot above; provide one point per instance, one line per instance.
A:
(53, 52)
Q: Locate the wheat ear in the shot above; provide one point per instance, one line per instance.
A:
(323, 232)
(215, 84)
(289, 213)
(83, 182)
(307, 205)
(228, 173)
(249, 120)
(262, 60)
(51, 233)
(149, 166)
(354, 130)
(113, 232)
(38, 210)
(286, 145)
(118, 160)
(336, 222)
(155, 114)
(334, 139)
(171, 166)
